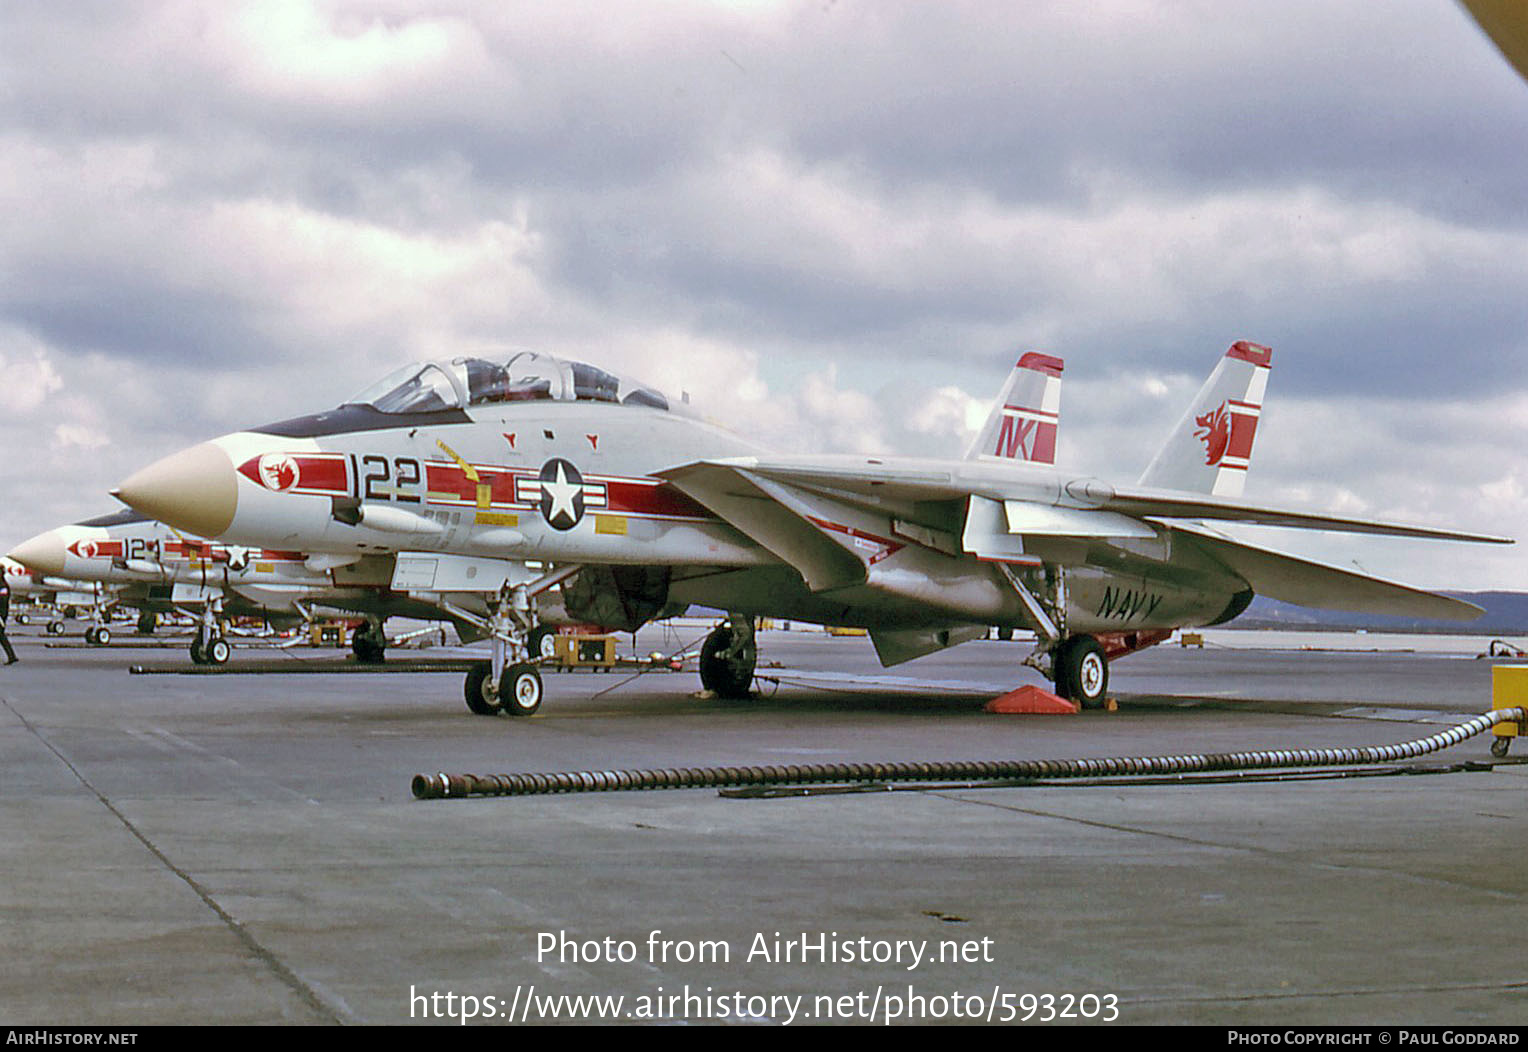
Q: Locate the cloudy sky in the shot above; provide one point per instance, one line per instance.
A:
(833, 222)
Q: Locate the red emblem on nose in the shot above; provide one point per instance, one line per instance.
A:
(278, 471)
(1214, 430)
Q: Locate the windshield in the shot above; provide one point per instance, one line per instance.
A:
(412, 389)
(526, 376)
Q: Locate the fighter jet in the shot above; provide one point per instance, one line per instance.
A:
(35, 590)
(155, 569)
(634, 502)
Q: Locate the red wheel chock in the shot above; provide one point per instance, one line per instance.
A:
(1030, 700)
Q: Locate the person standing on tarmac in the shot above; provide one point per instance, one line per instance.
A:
(5, 612)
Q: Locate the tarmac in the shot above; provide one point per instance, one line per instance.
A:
(244, 848)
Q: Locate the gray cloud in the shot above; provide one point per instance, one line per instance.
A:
(219, 214)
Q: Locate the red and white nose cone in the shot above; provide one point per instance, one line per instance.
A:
(194, 490)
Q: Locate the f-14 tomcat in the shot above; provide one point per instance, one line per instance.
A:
(37, 589)
(153, 568)
(636, 503)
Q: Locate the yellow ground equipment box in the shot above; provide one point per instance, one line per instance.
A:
(586, 651)
(1509, 690)
(1191, 639)
(328, 634)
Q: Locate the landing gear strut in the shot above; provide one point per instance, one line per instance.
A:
(510, 683)
(1077, 664)
(728, 658)
(208, 647)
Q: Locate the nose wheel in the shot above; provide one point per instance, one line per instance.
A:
(210, 650)
(517, 692)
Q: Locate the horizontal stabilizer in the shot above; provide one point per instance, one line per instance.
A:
(1308, 583)
(1157, 504)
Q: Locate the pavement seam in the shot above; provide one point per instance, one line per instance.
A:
(258, 950)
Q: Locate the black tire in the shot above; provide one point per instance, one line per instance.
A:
(542, 643)
(1500, 747)
(197, 656)
(520, 690)
(55, 628)
(725, 679)
(147, 622)
(218, 651)
(1082, 672)
(481, 696)
(1005, 634)
(369, 647)
(102, 636)
(23, 619)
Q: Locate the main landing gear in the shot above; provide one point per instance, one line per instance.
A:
(369, 642)
(1076, 664)
(728, 658)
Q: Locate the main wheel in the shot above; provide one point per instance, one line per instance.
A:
(100, 635)
(543, 643)
(218, 651)
(147, 622)
(481, 691)
(23, 619)
(1082, 671)
(368, 645)
(55, 628)
(520, 689)
(725, 674)
(198, 656)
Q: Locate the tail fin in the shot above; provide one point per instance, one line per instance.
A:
(1211, 447)
(1022, 425)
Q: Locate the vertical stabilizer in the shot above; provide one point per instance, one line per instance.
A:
(1022, 425)
(1210, 449)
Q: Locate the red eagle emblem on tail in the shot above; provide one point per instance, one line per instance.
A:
(1214, 430)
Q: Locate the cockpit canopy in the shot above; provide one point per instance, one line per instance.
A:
(459, 383)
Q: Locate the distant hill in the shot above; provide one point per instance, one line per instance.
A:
(1506, 613)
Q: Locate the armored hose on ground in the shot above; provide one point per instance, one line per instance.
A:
(443, 785)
